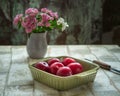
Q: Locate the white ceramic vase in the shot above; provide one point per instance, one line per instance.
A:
(37, 45)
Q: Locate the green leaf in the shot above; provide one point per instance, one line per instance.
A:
(19, 25)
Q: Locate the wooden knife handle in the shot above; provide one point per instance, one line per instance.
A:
(102, 64)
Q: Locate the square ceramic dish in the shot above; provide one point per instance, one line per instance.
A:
(65, 83)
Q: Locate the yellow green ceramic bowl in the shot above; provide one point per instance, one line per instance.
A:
(65, 83)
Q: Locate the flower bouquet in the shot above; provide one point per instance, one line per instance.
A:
(39, 21)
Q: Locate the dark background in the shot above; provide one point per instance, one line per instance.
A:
(90, 21)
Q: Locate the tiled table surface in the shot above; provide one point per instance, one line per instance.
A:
(16, 79)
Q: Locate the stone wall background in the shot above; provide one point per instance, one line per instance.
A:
(89, 21)
(111, 22)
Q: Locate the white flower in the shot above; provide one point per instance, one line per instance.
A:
(64, 24)
(60, 21)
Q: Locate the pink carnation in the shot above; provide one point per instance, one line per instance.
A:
(45, 10)
(45, 17)
(54, 15)
(40, 23)
(17, 19)
(47, 24)
(45, 20)
(28, 30)
(31, 11)
(29, 24)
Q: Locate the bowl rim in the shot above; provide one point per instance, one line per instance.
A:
(84, 73)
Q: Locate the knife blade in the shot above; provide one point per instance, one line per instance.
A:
(105, 66)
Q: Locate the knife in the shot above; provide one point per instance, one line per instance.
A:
(105, 66)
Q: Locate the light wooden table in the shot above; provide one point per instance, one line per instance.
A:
(16, 79)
